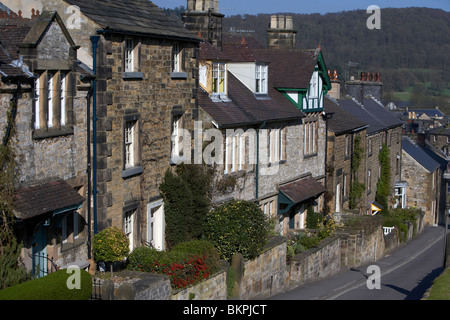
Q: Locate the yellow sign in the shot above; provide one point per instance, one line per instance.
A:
(375, 209)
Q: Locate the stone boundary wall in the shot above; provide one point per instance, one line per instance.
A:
(270, 273)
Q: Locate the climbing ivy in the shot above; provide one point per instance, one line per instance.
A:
(357, 188)
(384, 183)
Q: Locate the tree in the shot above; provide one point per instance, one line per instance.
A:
(186, 202)
(11, 270)
(384, 183)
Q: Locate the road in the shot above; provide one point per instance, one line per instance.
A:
(405, 274)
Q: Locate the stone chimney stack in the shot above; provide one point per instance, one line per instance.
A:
(335, 91)
(368, 84)
(202, 17)
(281, 33)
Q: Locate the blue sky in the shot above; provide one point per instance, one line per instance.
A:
(233, 7)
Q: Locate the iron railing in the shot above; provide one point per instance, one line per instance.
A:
(42, 265)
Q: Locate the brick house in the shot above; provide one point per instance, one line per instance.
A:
(423, 175)
(260, 103)
(46, 88)
(146, 75)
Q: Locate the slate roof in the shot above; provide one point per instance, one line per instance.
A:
(419, 155)
(133, 16)
(244, 108)
(341, 121)
(36, 200)
(372, 113)
(302, 189)
(441, 131)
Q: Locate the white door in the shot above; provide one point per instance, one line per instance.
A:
(156, 225)
(338, 197)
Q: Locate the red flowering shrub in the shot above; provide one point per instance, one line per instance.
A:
(184, 268)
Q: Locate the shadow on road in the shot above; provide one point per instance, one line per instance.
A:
(418, 292)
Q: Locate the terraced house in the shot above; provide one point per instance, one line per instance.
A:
(268, 106)
(146, 73)
(46, 90)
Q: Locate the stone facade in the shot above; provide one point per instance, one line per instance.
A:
(52, 144)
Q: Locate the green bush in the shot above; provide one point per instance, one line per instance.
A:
(400, 217)
(51, 287)
(110, 245)
(186, 264)
(237, 227)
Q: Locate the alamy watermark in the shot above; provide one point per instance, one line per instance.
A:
(74, 280)
(374, 21)
(374, 280)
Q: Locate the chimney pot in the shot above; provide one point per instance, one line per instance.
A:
(363, 76)
(335, 75)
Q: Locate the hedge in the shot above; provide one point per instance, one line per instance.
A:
(51, 287)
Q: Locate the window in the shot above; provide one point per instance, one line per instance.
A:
(62, 96)
(128, 226)
(261, 79)
(219, 78)
(129, 55)
(369, 148)
(71, 228)
(310, 137)
(277, 145)
(37, 102)
(176, 58)
(369, 180)
(177, 139)
(235, 151)
(129, 143)
(50, 100)
(347, 145)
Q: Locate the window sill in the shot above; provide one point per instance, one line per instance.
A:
(133, 171)
(52, 132)
(178, 75)
(70, 245)
(132, 75)
(306, 156)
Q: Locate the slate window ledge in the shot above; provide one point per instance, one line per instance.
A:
(178, 75)
(130, 172)
(132, 75)
(52, 132)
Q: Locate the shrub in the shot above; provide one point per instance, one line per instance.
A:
(51, 287)
(237, 227)
(186, 264)
(110, 245)
(186, 202)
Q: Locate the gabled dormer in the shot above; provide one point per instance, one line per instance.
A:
(213, 72)
(310, 82)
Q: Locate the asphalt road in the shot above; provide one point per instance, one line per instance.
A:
(405, 274)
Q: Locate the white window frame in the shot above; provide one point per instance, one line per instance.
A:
(50, 100)
(176, 57)
(129, 145)
(129, 55)
(37, 102)
(219, 72)
(261, 79)
(128, 226)
(63, 99)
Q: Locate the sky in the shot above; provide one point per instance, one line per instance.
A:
(234, 7)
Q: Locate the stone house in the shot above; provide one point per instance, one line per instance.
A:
(422, 173)
(261, 106)
(439, 137)
(146, 76)
(345, 134)
(47, 90)
(383, 127)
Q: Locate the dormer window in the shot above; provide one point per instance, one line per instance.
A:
(261, 79)
(219, 78)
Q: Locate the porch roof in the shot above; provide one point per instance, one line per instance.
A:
(54, 196)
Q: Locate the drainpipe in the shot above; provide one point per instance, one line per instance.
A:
(94, 40)
(89, 164)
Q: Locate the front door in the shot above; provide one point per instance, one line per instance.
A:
(39, 252)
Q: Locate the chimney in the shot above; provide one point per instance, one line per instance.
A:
(335, 91)
(203, 17)
(368, 85)
(281, 33)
